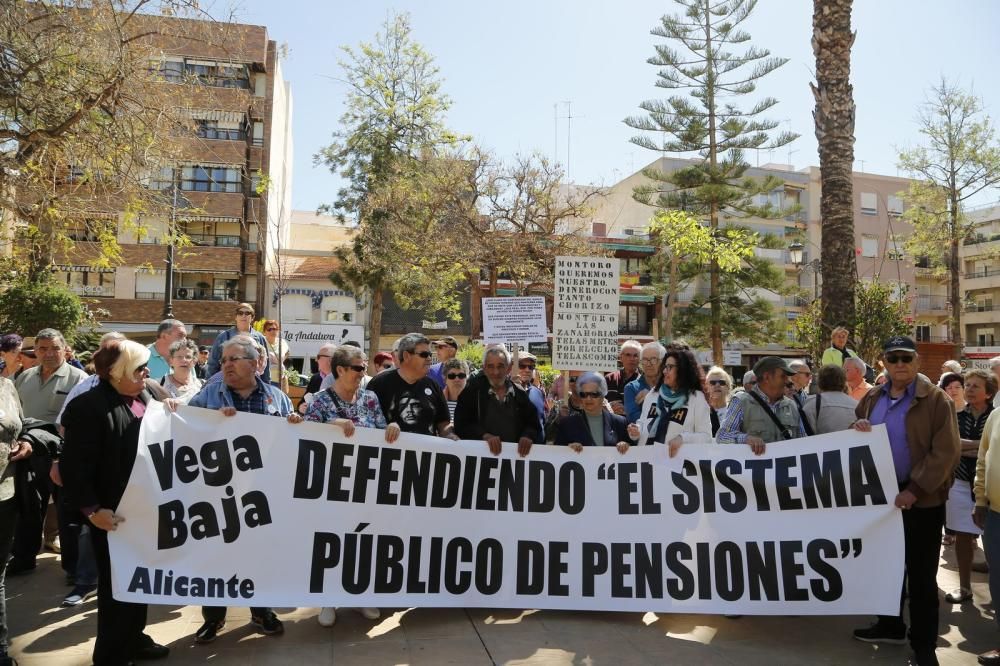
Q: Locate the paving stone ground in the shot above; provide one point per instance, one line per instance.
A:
(45, 634)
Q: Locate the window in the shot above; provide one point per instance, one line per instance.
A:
(220, 129)
(217, 74)
(258, 133)
(894, 205)
(633, 319)
(984, 337)
(923, 333)
(894, 247)
(869, 246)
(869, 203)
(88, 283)
(90, 229)
(168, 70)
(259, 85)
(162, 179)
(211, 179)
(334, 316)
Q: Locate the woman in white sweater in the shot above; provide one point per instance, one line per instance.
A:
(676, 411)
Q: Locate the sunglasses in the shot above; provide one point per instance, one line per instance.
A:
(526, 365)
(717, 382)
(899, 358)
(589, 394)
(386, 366)
(357, 368)
(244, 313)
(423, 354)
(456, 375)
(141, 369)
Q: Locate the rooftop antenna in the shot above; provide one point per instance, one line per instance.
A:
(555, 126)
(569, 132)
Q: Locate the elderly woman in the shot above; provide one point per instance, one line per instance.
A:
(677, 410)
(102, 438)
(383, 361)
(650, 359)
(346, 405)
(719, 387)
(277, 352)
(980, 387)
(954, 385)
(455, 372)
(10, 352)
(831, 409)
(12, 450)
(838, 351)
(594, 426)
(181, 382)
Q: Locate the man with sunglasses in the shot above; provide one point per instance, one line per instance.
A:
(925, 445)
(408, 397)
(446, 347)
(495, 409)
(244, 326)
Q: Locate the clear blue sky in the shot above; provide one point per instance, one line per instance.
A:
(506, 64)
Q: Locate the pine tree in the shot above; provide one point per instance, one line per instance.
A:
(705, 55)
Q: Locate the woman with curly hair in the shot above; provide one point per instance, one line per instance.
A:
(676, 411)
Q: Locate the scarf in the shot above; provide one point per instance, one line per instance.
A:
(667, 400)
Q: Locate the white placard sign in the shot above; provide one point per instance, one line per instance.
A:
(306, 339)
(250, 510)
(515, 319)
(585, 314)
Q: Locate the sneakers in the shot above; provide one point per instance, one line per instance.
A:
(268, 624)
(208, 631)
(370, 613)
(327, 617)
(78, 595)
(53, 546)
(882, 633)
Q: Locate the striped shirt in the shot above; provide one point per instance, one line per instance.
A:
(970, 427)
(731, 428)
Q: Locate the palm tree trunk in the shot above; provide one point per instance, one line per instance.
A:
(834, 119)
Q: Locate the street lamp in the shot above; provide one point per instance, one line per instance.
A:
(797, 255)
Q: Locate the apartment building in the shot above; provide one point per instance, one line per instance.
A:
(232, 89)
(980, 280)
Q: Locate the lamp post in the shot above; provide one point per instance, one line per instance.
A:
(796, 253)
(168, 293)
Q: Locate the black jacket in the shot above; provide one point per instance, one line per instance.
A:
(471, 405)
(102, 437)
(574, 428)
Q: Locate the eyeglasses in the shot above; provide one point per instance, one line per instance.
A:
(271, 328)
(751, 383)
(589, 394)
(650, 360)
(899, 358)
(423, 354)
(717, 382)
(357, 368)
(669, 366)
(141, 369)
(456, 375)
(233, 359)
(630, 354)
(523, 366)
(323, 355)
(244, 313)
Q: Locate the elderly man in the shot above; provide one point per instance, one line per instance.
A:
(525, 378)
(749, 380)
(167, 333)
(855, 370)
(619, 379)
(446, 347)
(762, 414)
(244, 326)
(650, 358)
(408, 397)
(42, 390)
(801, 378)
(241, 390)
(925, 445)
(494, 409)
(323, 367)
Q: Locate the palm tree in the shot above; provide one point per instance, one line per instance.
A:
(834, 117)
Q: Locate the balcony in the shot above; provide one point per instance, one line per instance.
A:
(924, 303)
(984, 278)
(101, 291)
(212, 240)
(149, 295)
(206, 294)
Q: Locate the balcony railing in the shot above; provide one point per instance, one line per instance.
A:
(213, 240)
(102, 290)
(982, 273)
(932, 338)
(982, 307)
(930, 303)
(203, 294)
(149, 295)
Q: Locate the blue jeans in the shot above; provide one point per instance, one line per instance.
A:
(86, 564)
(991, 544)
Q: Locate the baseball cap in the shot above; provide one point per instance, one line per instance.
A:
(769, 363)
(899, 343)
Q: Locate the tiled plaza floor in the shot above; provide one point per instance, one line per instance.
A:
(44, 634)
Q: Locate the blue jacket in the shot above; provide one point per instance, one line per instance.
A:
(573, 428)
(216, 396)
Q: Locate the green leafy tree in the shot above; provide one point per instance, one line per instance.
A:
(834, 120)
(959, 159)
(705, 55)
(394, 110)
(684, 241)
(29, 305)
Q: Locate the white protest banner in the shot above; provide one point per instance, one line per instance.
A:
(585, 314)
(250, 510)
(514, 319)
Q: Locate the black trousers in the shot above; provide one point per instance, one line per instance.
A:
(922, 536)
(218, 613)
(28, 534)
(119, 624)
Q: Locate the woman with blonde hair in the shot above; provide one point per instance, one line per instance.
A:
(838, 351)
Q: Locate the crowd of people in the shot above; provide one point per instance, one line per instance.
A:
(74, 436)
